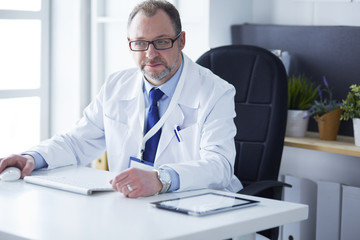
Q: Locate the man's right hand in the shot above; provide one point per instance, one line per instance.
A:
(25, 163)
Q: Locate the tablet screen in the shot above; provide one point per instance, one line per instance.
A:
(204, 204)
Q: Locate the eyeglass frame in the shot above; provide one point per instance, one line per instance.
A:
(152, 42)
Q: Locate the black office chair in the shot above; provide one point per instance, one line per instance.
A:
(261, 107)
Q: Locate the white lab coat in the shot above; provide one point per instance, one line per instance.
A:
(114, 122)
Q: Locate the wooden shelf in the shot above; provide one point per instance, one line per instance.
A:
(343, 144)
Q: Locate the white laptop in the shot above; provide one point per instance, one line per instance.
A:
(82, 180)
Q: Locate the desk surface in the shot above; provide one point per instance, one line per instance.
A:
(34, 212)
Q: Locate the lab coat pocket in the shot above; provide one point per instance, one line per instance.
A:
(116, 135)
(189, 144)
(122, 141)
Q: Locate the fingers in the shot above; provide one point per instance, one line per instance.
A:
(118, 179)
(2, 165)
(141, 183)
(29, 166)
(129, 190)
(25, 163)
(129, 187)
(123, 183)
(10, 161)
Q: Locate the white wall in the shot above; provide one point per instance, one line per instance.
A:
(65, 70)
(69, 90)
(306, 12)
(223, 13)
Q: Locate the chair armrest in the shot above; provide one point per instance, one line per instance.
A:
(257, 187)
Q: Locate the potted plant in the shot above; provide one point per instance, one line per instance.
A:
(351, 110)
(326, 112)
(301, 94)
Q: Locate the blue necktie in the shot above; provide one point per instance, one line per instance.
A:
(153, 117)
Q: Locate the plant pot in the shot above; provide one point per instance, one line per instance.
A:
(356, 124)
(296, 125)
(328, 124)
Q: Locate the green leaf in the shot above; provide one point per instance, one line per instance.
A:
(301, 92)
(351, 105)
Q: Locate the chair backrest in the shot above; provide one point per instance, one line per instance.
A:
(261, 107)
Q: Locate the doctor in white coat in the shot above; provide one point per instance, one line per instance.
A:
(196, 148)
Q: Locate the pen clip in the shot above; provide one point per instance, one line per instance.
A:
(177, 134)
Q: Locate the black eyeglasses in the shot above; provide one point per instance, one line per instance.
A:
(159, 44)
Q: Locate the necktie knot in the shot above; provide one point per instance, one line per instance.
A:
(155, 94)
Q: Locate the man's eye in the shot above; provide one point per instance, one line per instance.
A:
(140, 44)
(162, 42)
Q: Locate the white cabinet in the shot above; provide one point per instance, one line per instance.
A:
(350, 214)
(328, 217)
(334, 210)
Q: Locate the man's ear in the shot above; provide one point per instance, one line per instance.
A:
(182, 40)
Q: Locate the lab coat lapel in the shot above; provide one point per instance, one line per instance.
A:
(187, 99)
(133, 99)
(141, 102)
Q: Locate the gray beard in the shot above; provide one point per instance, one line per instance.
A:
(164, 74)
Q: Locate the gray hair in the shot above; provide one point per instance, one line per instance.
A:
(150, 7)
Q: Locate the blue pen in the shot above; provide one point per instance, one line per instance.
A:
(177, 134)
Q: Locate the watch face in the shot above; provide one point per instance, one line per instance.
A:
(165, 180)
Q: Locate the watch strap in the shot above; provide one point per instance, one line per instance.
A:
(165, 180)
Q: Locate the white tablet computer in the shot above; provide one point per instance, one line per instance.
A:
(204, 204)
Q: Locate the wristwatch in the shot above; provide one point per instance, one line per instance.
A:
(165, 180)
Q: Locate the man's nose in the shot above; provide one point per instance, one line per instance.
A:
(152, 52)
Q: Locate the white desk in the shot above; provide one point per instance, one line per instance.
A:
(33, 212)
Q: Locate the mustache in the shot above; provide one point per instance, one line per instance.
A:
(153, 61)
